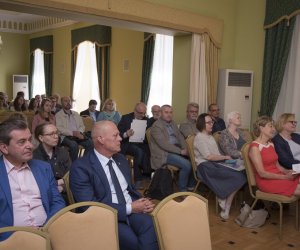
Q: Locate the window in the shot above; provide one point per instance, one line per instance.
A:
(38, 78)
(86, 77)
(162, 71)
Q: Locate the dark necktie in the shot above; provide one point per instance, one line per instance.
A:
(116, 183)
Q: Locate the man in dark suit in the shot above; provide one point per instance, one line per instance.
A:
(91, 111)
(219, 123)
(103, 175)
(139, 151)
(28, 189)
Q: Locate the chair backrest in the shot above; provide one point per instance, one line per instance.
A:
(182, 225)
(96, 228)
(248, 135)
(66, 179)
(190, 146)
(248, 167)
(25, 238)
(217, 136)
(88, 123)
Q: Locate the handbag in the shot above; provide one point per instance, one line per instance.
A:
(255, 219)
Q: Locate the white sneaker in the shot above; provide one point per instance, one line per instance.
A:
(222, 203)
(224, 215)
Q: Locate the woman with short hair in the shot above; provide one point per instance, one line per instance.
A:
(109, 112)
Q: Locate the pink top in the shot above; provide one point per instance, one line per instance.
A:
(27, 204)
(37, 120)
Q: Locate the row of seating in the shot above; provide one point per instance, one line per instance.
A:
(179, 225)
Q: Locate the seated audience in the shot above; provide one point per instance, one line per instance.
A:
(287, 142)
(91, 111)
(219, 123)
(71, 128)
(28, 190)
(2, 104)
(168, 146)
(103, 175)
(33, 105)
(38, 99)
(155, 110)
(232, 139)
(270, 176)
(109, 112)
(5, 102)
(222, 180)
(189, 126)
(44, 114)
(19, 104)
(48, 150)
(139, 151)
(55, 106)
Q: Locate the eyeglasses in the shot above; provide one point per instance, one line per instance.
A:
(293, 122)
(210, 122)
(56, 133)
(214, 110)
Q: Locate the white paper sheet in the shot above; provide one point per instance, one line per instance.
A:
(139, 128)
(296, 168)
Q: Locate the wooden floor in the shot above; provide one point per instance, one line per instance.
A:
(229, 235)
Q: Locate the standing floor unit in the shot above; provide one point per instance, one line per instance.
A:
(235, 94)
(20, 83)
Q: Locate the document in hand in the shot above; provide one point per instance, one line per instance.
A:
(139, 128)
(296, 168)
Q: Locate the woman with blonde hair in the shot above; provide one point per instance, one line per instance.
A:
(270, 176)
(287, 142)
(232, 139)
(109, 112)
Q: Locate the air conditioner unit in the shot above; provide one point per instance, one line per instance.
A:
(235, 93)
(20, 83)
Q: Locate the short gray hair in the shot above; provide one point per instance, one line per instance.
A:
(232, 114)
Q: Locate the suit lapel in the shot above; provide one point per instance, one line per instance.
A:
(4, 183)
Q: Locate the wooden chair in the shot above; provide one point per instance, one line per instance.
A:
(130, 160)
(88, 123)
(25, 238)
(96, 228)
(68, 189)
(259, 195)
(248, 135)
(182, 225)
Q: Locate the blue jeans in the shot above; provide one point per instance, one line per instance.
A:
(185, 169)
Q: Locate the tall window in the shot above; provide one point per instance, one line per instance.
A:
(86, 77)
(38, 78)
(162, 71)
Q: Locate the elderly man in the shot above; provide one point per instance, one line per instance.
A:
(103, 175)
(28, 189)
(140, 151)
(71, 127)
(189, 126)
(155, 110)
(168, 146)
(219, 123)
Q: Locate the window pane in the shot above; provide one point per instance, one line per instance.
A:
(38, 78)
(161, 78)
(86, 77)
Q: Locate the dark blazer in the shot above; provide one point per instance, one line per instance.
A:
(88, 181)
(87, 113)
(283, 150)
(51, 198)
(219, 125)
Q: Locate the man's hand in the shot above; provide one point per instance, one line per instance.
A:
(184, 152)
(129, 132)
(142, 205)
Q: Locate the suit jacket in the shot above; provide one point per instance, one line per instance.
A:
(188, 128)
(88, 181)
(160, 145)
(285, 155)
(87, 113)
(51, 198)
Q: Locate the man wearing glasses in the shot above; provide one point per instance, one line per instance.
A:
(219, 123)
(139, 151)
(28, 189)
(189, 126)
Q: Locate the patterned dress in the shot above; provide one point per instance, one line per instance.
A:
(269, 159)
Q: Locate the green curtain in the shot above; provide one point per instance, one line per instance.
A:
(149, 41)
(45, 44)
(279, 24)
(101, 36)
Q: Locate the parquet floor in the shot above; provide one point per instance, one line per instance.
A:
(229, 235)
